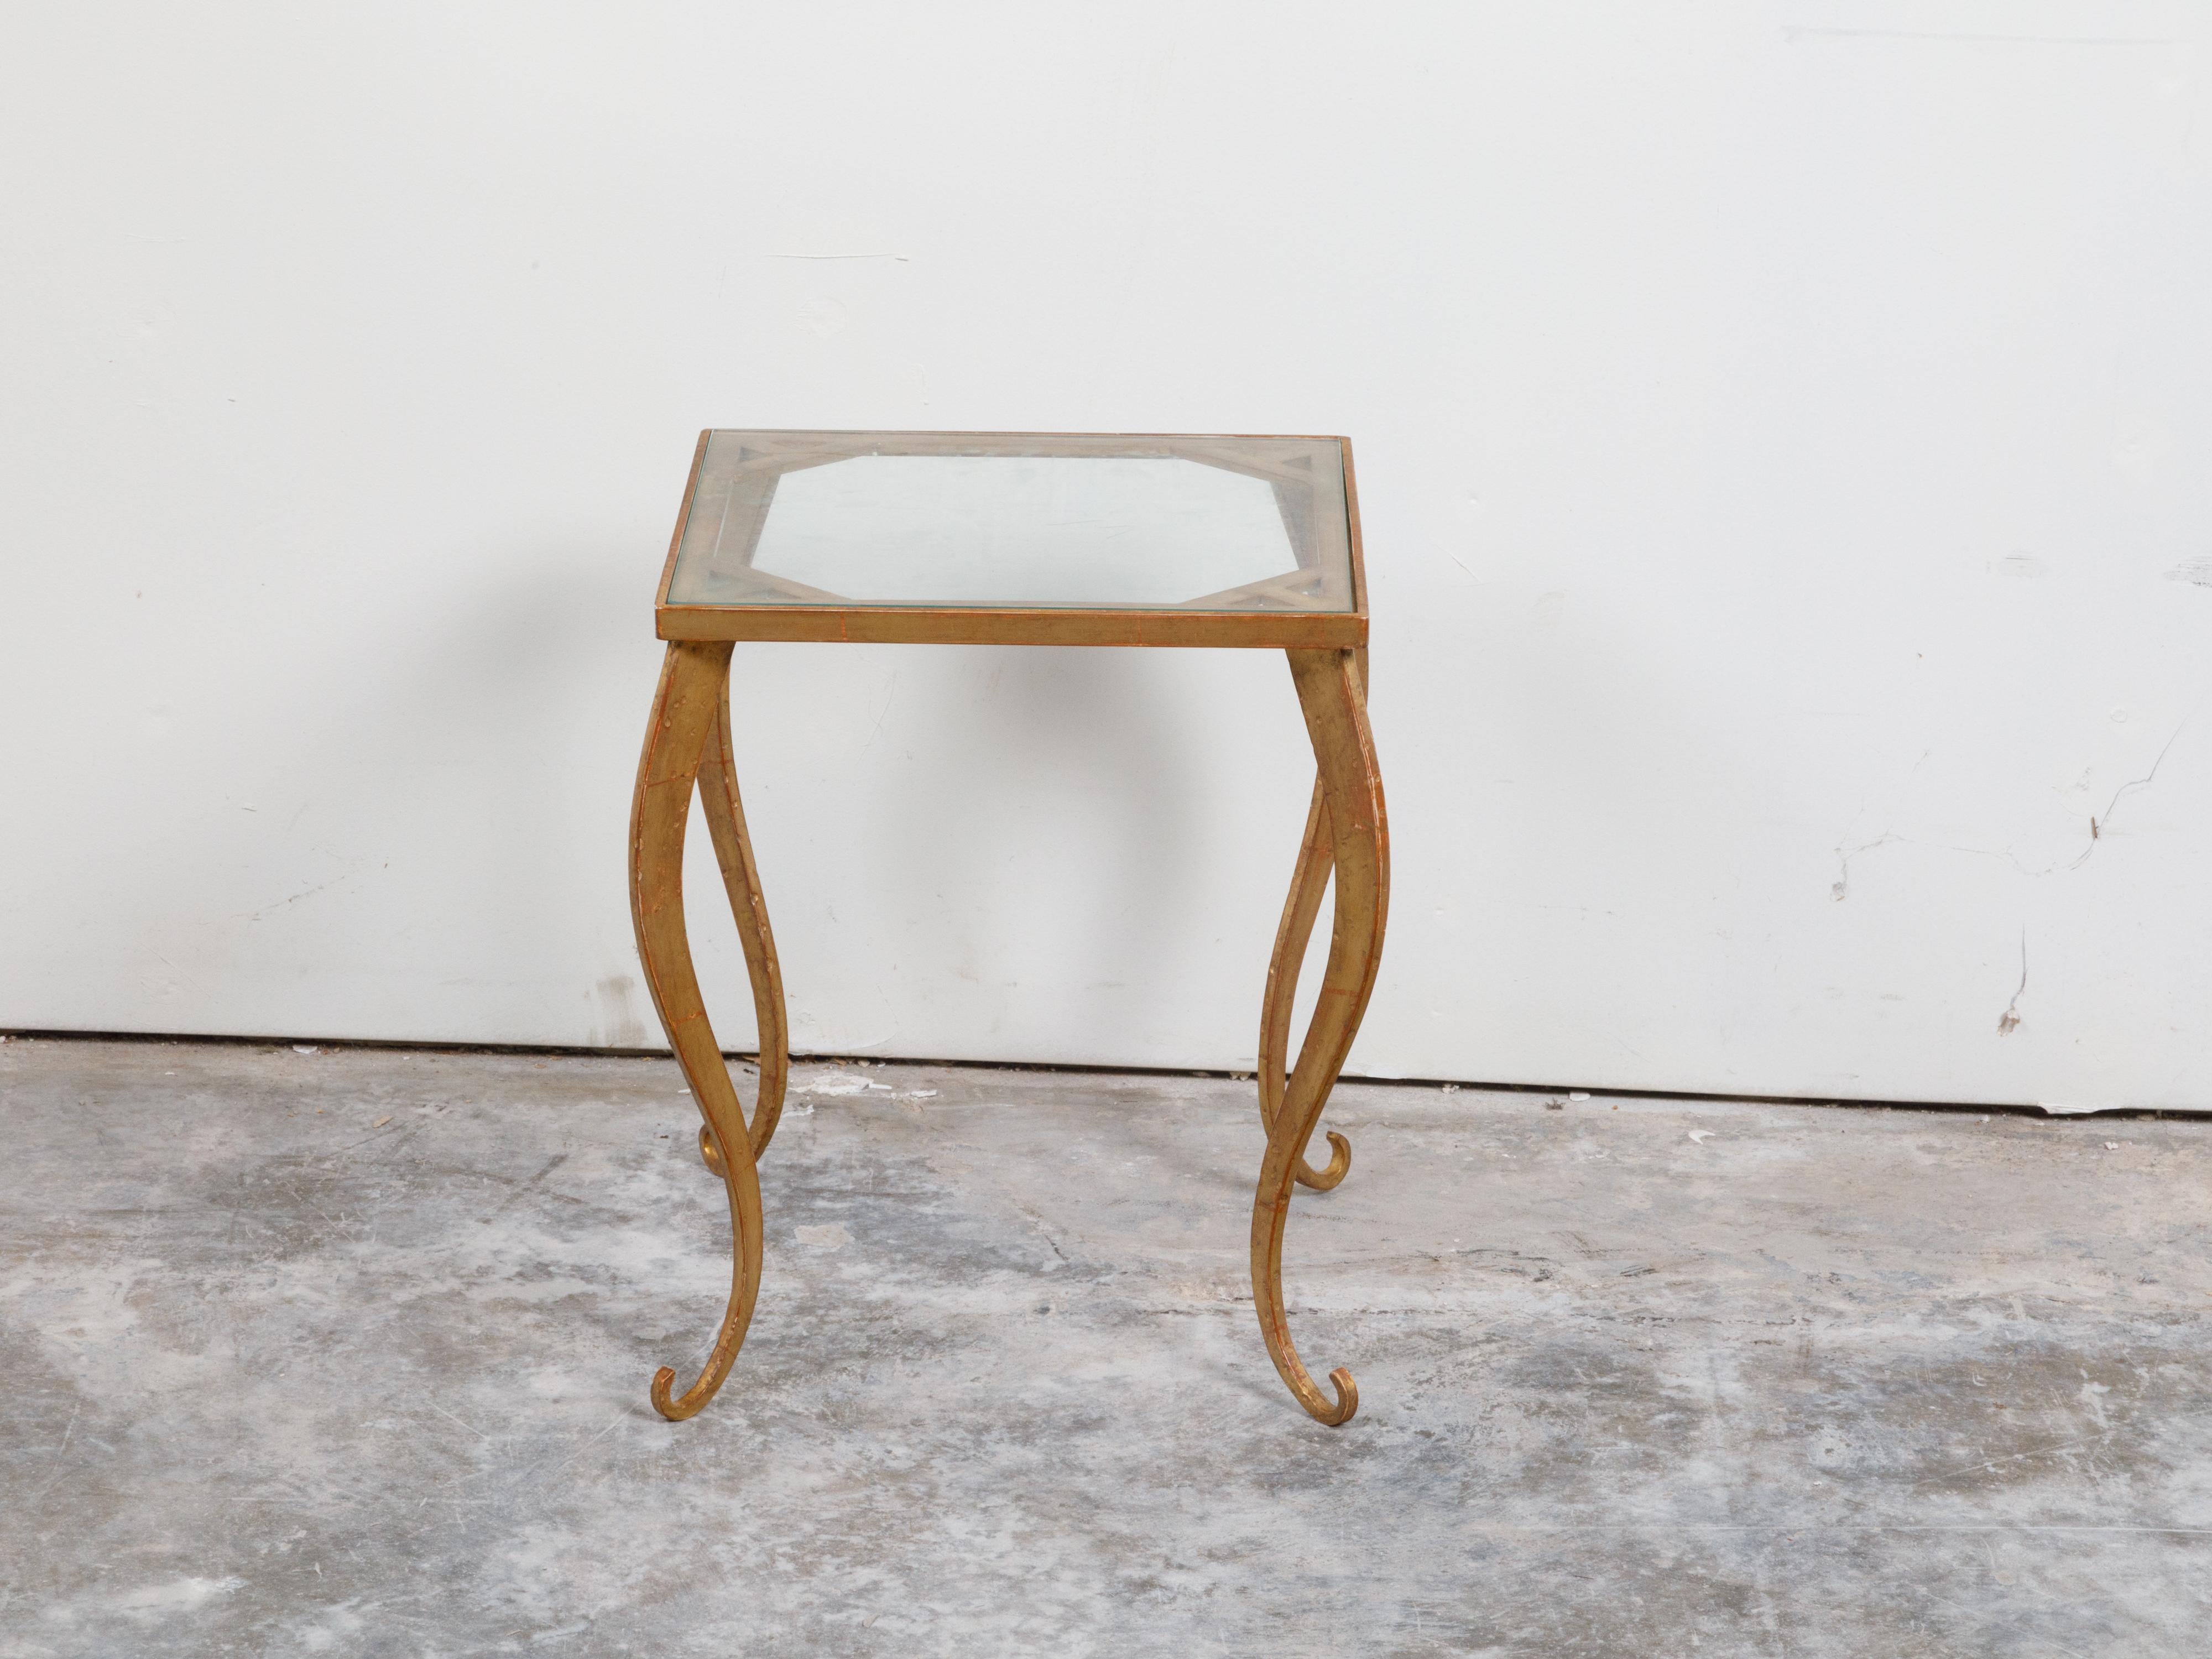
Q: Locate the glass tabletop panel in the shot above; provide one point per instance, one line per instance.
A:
(1015, 521)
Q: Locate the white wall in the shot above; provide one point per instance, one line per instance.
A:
(1782, 434)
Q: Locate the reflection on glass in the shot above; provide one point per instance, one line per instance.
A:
(984, 520)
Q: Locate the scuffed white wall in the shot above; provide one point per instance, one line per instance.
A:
(1783, 432)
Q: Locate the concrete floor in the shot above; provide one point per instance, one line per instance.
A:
(347, 1353)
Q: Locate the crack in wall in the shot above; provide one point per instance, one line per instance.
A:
(2096, 832)
(2008, 1021)
(1842, 888)
(2099, 826)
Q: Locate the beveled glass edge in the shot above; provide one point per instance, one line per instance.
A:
(1008, 625)
(1351, 532)
(794, 449)
(1013, 443)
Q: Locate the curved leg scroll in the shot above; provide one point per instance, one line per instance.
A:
(690, 715)
(733, 851)
(1308, 881)
(1349, 810)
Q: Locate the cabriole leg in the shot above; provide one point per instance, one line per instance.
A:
(689, 732)
(1348, 810)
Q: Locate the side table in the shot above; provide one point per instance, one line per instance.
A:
(1013, 538)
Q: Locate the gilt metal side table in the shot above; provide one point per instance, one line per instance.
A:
(1013, 538)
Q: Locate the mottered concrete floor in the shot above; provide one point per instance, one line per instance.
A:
(347, 1353)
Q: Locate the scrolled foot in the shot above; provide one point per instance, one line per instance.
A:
(744, 1187)
(663, 1386)
(1275, 1328)
(1347, 1400)
(1340, 1163)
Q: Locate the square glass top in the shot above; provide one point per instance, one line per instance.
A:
(1016, 522)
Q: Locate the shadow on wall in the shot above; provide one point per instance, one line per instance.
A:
(1079, 761)
(487, 744)
(1045, 840)
(1011, 853)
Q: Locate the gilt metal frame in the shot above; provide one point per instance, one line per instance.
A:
(688, 747)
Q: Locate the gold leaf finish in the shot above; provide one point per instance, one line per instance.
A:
(1346, 842)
